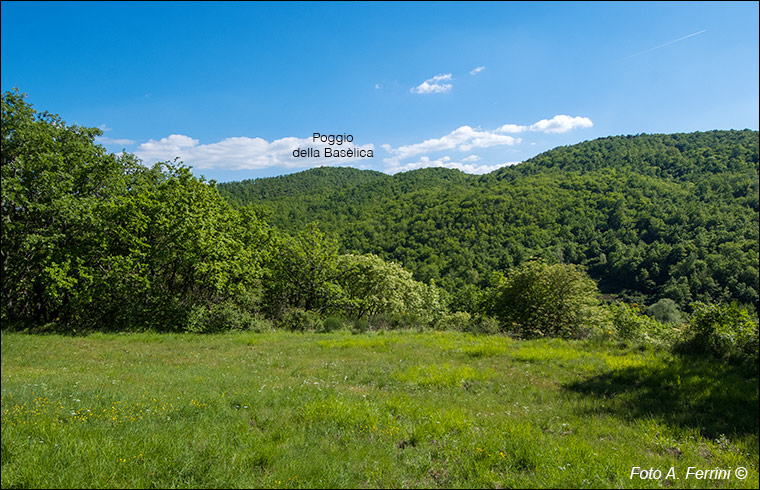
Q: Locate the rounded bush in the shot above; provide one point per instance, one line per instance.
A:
(542, 300)
(666, 311)
(299, 320)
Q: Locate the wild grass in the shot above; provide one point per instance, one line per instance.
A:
(390, 409)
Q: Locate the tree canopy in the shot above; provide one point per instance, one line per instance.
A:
(93, 239)
(649, 216)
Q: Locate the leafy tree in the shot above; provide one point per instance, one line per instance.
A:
(537, 299)
(54, 180)
(301, 274)
(374, 286)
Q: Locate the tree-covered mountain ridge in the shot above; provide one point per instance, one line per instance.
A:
(650, 216)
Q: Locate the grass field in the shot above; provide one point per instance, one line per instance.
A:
(392, 409)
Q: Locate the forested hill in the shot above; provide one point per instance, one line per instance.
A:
(650, 216)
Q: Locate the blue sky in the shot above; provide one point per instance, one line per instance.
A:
(233, 88)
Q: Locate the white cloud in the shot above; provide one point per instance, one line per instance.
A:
(431, 85)
(243, 153)
(477, 70)
(104, 140)
(445, 162)
(512, 128)
(464, 138)
(558, 124)
(561, 124)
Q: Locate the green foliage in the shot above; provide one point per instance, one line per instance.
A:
(483, 324)
(542, 300)
(726, 331)
(629, 324)
(396, 321)
(374, 286)
(185, 246)
(649, 216)
(53, 181)
(92, 240)
(458, 321)
(307, 274)
(301, 274)
(300, 320)
(666, 311)
(220, 317)
(334, 323)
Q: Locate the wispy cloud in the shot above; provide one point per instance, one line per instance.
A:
(561, 124)
(558, 124)
(466, 138)
(432, 85)
(446, 162)
(512, 128)
(477, 70)
(463, 138)
(244, 153)
(666, 44)
(241, 153)
(105, 140)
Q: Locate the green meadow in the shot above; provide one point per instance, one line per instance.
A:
(378, 409)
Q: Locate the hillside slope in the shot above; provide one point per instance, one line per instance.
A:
(650, 216)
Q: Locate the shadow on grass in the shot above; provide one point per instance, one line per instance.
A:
(690, 392)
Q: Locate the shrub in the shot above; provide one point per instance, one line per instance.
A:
(299, 320)
(376, 288)
(220, 317)
(333, 323)
(628, 323)
(458, 321)
(483, 324)
(666, 311)
(395, 321)
(538, 299)
(361, 325)
(726, 331)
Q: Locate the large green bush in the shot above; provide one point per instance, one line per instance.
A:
(299, 320)
(726, 331)
(538, 299)
(628, 323)
(374, 287)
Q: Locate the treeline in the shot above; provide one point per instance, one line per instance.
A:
(649, 216)
(93, 240)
